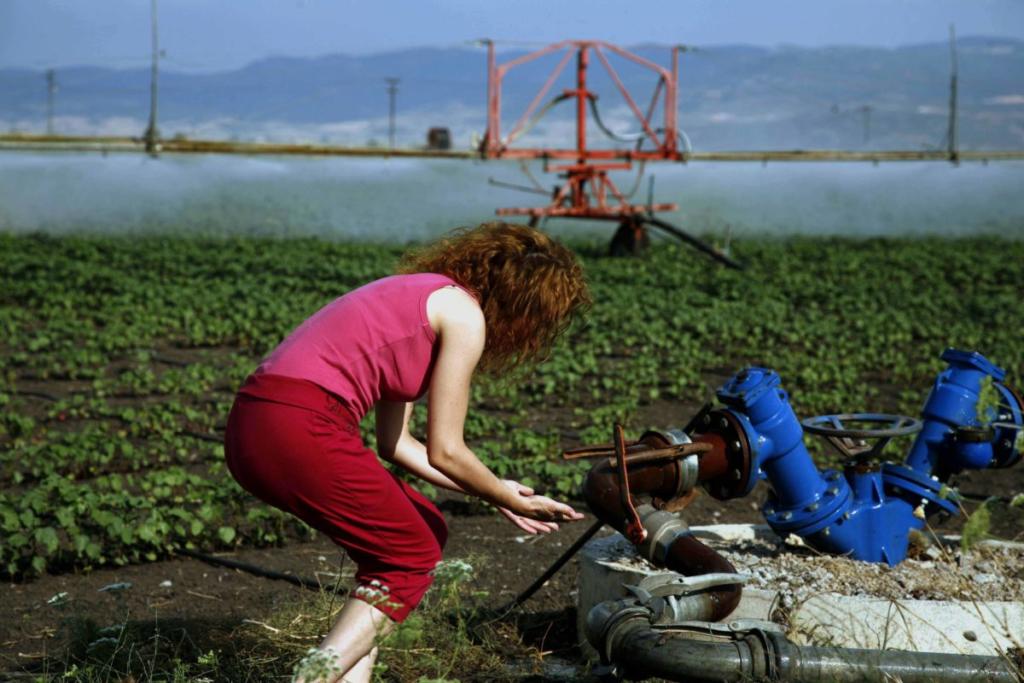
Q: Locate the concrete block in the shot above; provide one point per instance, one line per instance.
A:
(956, 627)
(609, 563)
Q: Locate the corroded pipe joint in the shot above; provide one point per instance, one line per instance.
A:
(668, 542)
(729, 469)
(660, 479)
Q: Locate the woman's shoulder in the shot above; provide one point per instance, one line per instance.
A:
(453, 305)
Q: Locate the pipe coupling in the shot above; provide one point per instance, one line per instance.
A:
(663, 528)
(689, 467)
(604, 619)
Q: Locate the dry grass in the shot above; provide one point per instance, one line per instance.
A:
(448, 637)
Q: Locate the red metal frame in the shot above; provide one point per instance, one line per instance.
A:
(588, 191)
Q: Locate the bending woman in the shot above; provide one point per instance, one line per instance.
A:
(495, 297)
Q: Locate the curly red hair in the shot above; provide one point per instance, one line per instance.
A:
(529, 286)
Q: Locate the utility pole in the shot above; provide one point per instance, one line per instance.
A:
(866, 112)
(152, 135)
(953, 134)
(392, 92)
(51, 89)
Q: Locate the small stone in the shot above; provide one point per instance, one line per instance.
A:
(971, 636)
(166, 583)
(115, 587)
(58, 599)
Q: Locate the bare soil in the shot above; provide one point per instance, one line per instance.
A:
(209, 606)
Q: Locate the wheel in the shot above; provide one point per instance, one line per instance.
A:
(630, 239)
(852, 441)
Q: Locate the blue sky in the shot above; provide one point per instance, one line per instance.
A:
(223, 34)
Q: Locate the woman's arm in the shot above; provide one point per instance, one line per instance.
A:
(396, 444)
(459, 323)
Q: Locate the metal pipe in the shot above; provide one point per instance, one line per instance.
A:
(690, 557)
(668, 542)
(640, 652)
(152, 134)
(602, 491)
(626, 637)
(840, 665)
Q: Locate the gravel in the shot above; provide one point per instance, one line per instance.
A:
(986, 572)
(937, 572)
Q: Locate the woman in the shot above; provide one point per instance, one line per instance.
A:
(495, 297)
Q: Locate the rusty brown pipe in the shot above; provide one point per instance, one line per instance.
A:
(722, 469)
(714, 463)
(683, 554)
(690, 557)
(601, 488)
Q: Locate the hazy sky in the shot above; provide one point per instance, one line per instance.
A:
(221, 34)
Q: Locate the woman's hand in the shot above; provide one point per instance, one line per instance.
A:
(530, 526)
(537, 514)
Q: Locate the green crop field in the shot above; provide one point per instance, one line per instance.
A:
(121, 356)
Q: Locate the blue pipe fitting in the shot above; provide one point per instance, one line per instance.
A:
(775, 433)
(952, 403)
(805, 502)
(1006, 450)
(917, 488)
(830, 512)
(969, 447)
(868, 511)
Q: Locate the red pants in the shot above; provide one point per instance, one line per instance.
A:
(294, 445)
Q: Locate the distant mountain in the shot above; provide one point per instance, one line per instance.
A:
(731, 97)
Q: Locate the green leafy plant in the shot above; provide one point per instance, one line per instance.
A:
(122, 355)
(977, 526)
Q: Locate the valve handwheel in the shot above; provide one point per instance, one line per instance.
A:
(851, 432)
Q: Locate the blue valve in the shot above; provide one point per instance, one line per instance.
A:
(952, 403)
(868, 510)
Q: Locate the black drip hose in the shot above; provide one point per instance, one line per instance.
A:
(260, 571)
(555, 566)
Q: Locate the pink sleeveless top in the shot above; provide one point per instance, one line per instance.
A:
(373, 343)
